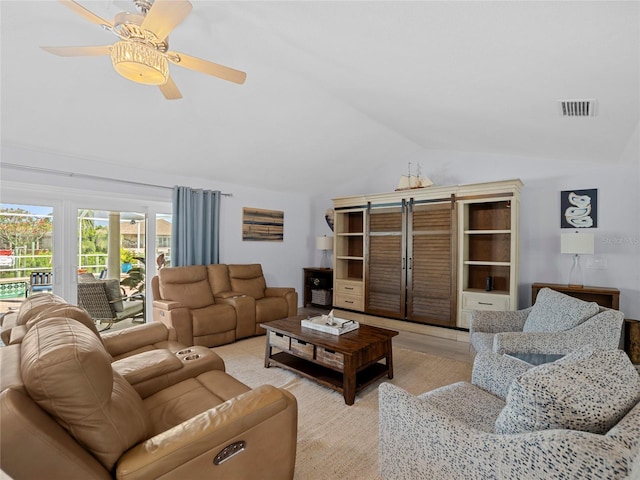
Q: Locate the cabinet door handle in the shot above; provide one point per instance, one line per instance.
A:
(348, 301)
(348, 288)
(485, 303)
(404, 261)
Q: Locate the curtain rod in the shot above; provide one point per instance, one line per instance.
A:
(93, 177)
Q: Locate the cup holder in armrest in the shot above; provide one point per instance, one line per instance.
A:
(185, 351)
(194, 356)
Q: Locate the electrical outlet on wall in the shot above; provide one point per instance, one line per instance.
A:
(598, 262)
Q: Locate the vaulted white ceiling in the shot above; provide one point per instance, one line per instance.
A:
(331, 86)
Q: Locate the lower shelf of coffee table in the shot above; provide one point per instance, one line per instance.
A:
(326, 376)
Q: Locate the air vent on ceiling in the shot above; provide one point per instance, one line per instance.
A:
(577, 108)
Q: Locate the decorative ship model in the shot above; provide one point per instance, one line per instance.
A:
(409, 182)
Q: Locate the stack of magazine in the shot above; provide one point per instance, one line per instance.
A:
(330, 324)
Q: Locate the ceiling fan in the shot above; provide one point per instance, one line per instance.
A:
(142, 52)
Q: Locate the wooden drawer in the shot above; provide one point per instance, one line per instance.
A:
(346, 287)
(279, 340)
(302, 349)
(484, 301)
(349, 301)
(330, 358)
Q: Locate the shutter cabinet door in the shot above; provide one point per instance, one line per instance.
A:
(385, 276)
(431, 271)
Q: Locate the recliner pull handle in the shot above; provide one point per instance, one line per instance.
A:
(229, 451)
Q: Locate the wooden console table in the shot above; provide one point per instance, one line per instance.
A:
(605, 297)
(632, 339)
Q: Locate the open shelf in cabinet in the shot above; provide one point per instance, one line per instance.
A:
(349, 222)
(489, 216)
(349, 268)
(487, 246)
(476, 277)
(349, 245)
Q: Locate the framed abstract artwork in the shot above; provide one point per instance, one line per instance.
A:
(262, 225)
(579, 208)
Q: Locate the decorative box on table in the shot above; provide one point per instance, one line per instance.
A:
(330, 324)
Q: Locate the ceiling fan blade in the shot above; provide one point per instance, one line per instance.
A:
(170, 90)
(210, 68)
(79, 51)
(87, 14)
(165, 15)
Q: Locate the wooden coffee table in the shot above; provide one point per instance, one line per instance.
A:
(346, 363)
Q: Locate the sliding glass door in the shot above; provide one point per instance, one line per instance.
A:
(26, 252)
(163, 240)
(112, 247)
(67, 234)
(110, 243)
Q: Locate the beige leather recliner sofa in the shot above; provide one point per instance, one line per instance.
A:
(14, 323)
(66, 412)
(148, 356)
(215, 304)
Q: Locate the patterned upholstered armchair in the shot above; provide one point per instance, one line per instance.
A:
(471, 431)
(556, 324)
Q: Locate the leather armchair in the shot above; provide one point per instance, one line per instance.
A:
(64, 401)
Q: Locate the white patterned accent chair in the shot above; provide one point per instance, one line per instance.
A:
(547, 426)
(555, 324)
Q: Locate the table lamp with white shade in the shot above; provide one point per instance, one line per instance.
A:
(325, 244)
(576, 244)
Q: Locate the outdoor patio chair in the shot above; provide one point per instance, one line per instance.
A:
(40, 282)
(104, 301)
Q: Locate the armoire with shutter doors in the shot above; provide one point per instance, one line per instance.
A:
(429, 255)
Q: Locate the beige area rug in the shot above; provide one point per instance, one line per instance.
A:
(336, 441)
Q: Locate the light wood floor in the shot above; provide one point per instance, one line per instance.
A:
(442, 347)
(411, 340)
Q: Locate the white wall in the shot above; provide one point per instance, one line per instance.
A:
(617, 237)
(282, 262)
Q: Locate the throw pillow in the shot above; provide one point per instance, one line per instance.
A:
(114, 294)
(588, 390)
(557, 312)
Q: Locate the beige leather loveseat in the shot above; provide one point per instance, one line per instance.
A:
(212, 305)
(67, 412)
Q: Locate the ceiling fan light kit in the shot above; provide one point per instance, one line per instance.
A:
(140, 63)
(141, 54)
